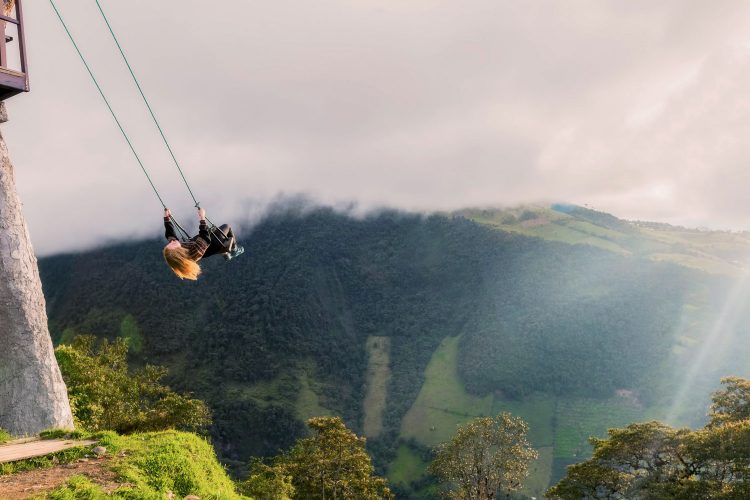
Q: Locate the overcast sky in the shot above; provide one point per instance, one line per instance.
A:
(639, 108)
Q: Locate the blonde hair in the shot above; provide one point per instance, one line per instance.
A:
(181, 263)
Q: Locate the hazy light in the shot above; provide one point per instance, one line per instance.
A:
(711, 346)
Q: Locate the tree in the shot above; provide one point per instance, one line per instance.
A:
(626, 462)
(730, 404)
(32, 392)
(487, 456)
(105, 395)
(653, 460)
(267, 482)
(332, 464)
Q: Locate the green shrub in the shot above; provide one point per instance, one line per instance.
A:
(151, 464)
(4, 436)
(105, 395)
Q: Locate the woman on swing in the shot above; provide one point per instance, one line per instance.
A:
(183, 257)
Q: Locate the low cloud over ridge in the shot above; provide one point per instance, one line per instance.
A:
(637, 108)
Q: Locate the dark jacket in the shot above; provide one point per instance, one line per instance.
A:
(197, 245)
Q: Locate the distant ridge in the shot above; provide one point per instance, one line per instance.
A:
(713, 251)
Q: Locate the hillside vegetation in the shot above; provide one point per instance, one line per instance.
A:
(654, 460)
(140, 465)
(572, 319)
(722, 252)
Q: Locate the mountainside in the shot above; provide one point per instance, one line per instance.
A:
(407, 325)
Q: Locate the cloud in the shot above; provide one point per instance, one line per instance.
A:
(635, 107)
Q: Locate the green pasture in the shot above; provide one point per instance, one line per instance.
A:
(308, 402)
(559, 428)
(717, 252)
(406, 467)
(378, 376)
(442, 403)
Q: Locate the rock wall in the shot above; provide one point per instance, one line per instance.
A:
(33, 396)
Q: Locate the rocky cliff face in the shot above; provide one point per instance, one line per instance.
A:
(33, 396)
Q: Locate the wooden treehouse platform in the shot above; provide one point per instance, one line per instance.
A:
(13, 80)
(22, 450)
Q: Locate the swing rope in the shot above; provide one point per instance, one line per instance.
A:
(106, 101)
(153, 115)
(148, 105)
(184, 234)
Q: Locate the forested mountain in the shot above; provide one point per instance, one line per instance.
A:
(407, 325)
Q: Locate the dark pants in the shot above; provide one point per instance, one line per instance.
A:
(222, 240)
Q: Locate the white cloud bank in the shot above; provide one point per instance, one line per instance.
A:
(640, 108)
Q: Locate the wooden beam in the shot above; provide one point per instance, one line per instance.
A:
(22, 45)
(22, 451)
(9, 19)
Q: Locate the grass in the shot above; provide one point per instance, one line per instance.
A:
(442, 403)
(78, 487)
(538, 410)
(570, 234)
(580, 418)
(408, 466)
(5, 436)
(63, 434)
(559, 428)
(540, 473)
(716, 252)
(590, 229)
(378, 375)
(153, 463)
(709, 265)
(308, 402)
(558, 227)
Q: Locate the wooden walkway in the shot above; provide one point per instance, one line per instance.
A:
(20, 451)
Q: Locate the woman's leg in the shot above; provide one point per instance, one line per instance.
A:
(227, 231)
(222, 241)
(232, 249)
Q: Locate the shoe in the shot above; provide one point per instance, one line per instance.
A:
(235, 252)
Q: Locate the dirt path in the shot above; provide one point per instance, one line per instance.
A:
(20, 451)
(35, 482)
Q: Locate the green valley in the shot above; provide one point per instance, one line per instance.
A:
(408, 325)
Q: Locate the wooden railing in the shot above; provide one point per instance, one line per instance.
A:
(13, 81)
